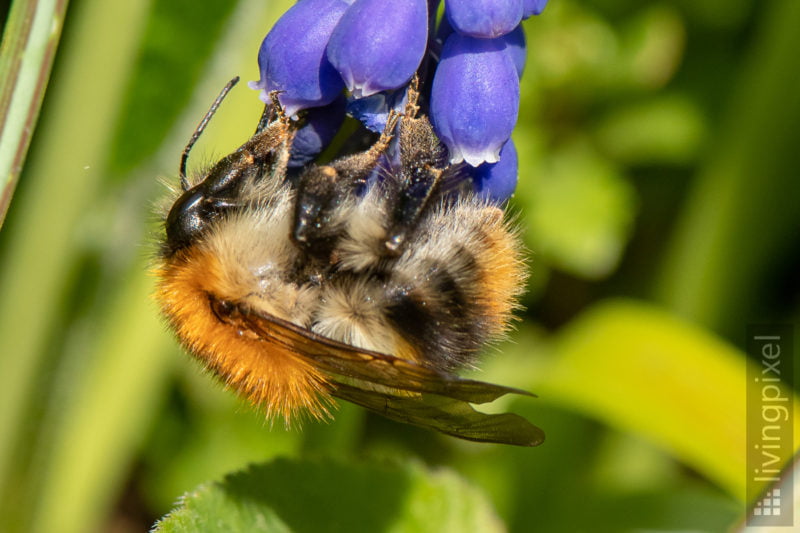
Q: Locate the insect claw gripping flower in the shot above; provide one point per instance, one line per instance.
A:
(374, 276)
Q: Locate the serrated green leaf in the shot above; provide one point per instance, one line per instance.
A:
(324, 495)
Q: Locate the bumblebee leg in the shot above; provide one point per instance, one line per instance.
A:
(266, 118)
(412, 97)
(408, 206)
(422, 161)
(318, 195)
(272, 111)
(321, 190)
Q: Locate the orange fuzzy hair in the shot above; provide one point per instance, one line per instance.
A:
(268, 374)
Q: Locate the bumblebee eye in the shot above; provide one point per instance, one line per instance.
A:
(192, 212)
(187, 219)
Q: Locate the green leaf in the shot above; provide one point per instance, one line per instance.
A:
(644, 371)
(580, 212)
(325, 495)
(652, 46)
(665, 129)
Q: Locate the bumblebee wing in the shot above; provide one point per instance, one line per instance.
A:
(382, 383)
(381, 369)
(448, 415)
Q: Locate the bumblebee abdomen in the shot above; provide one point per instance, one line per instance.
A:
(450, 291)
(446, 297)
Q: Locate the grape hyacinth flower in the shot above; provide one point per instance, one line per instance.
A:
(372, 56)
(484, 19)
(497, 181)
(515, 47)
(319, 129)
(474, 98)
(468, 65)
(532, 7)
(292, 56)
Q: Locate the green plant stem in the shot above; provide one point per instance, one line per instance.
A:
(43, 243)
(101, 426)
(29, 44)
(743, 208)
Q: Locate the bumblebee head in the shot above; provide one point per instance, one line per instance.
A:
(187, 219)
(217, 193)
(220, 190)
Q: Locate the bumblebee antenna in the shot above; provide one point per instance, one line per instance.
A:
(199, 130)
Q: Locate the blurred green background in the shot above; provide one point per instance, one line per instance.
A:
(658, 196)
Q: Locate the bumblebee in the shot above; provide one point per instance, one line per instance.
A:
(369, 279)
